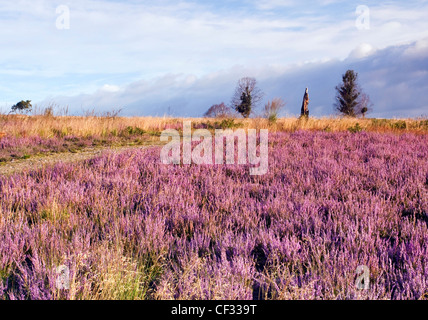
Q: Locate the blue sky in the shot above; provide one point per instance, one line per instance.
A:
(180, 57)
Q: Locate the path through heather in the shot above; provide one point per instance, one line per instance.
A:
(37, 162)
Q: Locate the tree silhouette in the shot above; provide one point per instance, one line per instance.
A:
(247, 96)
(348, 93)
(218, 111)
(365, 104)
(22, 106)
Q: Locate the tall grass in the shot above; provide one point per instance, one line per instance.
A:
(94, 126)
(49, 126)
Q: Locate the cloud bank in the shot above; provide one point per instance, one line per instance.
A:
(396, 78)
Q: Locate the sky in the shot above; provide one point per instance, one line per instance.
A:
(180, 57)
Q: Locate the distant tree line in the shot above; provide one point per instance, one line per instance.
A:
(246, 98)
(350, 100)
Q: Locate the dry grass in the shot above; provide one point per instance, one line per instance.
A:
(115, 277)
(49, 126)
(341, 124)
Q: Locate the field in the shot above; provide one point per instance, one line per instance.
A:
(339, 194)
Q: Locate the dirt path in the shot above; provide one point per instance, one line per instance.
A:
(41, 161)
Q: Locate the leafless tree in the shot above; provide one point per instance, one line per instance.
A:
(218, 111)
(272, 109)
(247, 96)
(365, 104)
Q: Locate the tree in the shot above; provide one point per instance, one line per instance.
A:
(22, 106)
(348, 93)
(218, 111)
(272, 109)
(365, 104)
(247, 96)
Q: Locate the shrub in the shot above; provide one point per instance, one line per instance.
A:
(218, 111)
(355, 129)
(227, 124)
(135, 131)
(272, 109)
(49, 112)
(399, 125)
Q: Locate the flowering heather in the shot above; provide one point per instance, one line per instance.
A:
(12, 147)
(128, 227)
(21, 147)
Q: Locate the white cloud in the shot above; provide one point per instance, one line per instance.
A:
(272, 4)
(420, 49)
(110, 88)
(390, 76)
(362, 51)
(165, 49)
(109, 37)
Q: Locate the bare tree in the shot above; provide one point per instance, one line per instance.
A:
(272, 109)
(218, 111)
(247, 96)
(365, 104)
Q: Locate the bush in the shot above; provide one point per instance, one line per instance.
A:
(355, 129)
(135, 131)
(423, 124)
(272, 109)
(49, 112)
(218, 111)
(273, 118)
(224, 124)
(399, 125)
(227, 124)
(379, 123)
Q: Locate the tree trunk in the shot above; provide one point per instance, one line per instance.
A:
(305, 105)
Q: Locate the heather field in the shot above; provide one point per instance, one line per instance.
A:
(23, 137)
(129, 227)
